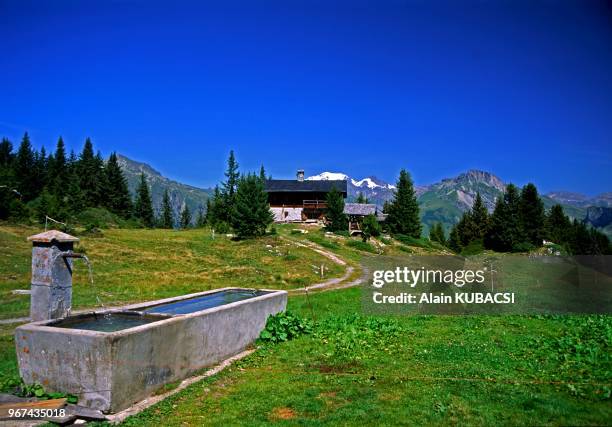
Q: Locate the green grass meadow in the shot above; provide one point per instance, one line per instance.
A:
(352, 369)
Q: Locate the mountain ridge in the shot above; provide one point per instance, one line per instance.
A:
(180, 194)
(444, 201)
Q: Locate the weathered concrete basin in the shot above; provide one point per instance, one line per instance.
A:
(112, 370)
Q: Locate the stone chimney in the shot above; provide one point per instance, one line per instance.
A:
(300, 175)
(51, 292)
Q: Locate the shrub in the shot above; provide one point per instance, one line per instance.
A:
(370, 228)
(92, 218)
(473, 248)
(283, 327)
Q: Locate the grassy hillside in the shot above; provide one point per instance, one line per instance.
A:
(353, 368)
(194, 197)
(416, 370)
(140, 265)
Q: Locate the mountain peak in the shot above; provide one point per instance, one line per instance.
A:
(479, 176)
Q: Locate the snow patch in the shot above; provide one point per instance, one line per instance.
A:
(328, 176)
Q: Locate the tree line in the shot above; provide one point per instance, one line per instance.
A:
(520, 223)
(34, 185)
(59, 185)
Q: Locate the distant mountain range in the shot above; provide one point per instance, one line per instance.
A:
(444, 201)
(180, 194)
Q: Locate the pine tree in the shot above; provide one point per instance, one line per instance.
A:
(201, 218)
(557, 225)
(505, 232)
(436, 234)
(229, 188)
(370, 228)
(6, 154)
(404, 210)
(117, 198)
(454, 243)
(334, 213)
(185, 217)
(58, 169)
(143, 208)
(167, 219)
(251, 212)
(6, 178)
(262, 174)
(480, 218)
(361, 199)
(90, 175)
(73, 200)
(25, 181)
(40, 170)
(532, 215)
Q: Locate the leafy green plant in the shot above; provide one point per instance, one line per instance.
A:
(283, 327)
(352, 338)
(19, 388)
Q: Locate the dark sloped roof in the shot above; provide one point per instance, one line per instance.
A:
(359, 209)
(293, 185)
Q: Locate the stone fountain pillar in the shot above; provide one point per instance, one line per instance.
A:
(51, 291)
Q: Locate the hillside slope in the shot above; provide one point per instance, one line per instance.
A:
(180, 194)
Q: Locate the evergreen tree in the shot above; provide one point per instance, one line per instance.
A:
(6, 154)
(73, 200)
(262, 174)
(557, 225)
(143, 208)
(251, 212)
(436, 234)
(6, 178)
(370, 228)
(404, 210)
(201, 218)
(505, 232)
(59, 174)
(480, 218)
(90, 175)
(118, 198)
(334, 213)
(167, 220)
(229, 188)
(40, 172)
(25, 180)
(466, 229)
(532, 215)
(185, 217)
(454, 243)
(361, 199)
(45, 206)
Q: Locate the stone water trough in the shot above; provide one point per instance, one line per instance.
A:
(114, 358)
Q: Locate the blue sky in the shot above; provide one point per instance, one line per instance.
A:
(522, 89)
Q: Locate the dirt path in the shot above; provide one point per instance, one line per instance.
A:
(330, 284)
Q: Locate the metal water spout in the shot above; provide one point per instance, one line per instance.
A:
(51, 292)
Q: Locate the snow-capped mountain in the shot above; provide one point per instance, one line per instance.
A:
(374, 189)
(370, 182)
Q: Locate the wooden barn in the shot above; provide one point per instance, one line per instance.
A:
(356, 212)
(296, 200)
